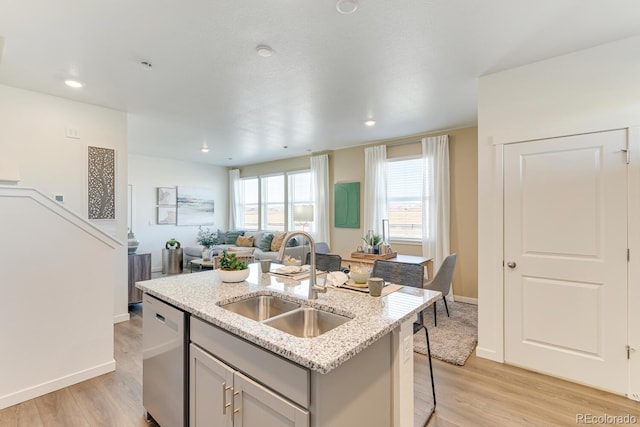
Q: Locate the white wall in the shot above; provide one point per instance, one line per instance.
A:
(33, 145)
(56, 304)
(146, 174)
(590, 90)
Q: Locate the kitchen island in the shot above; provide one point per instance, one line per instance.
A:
(360, 371)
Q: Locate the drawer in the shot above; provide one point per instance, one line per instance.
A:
(275, 372)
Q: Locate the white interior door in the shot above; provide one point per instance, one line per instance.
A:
(566, 257)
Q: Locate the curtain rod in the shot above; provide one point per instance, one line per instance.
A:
(397, 144)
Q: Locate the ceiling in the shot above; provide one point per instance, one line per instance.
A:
(412, 65)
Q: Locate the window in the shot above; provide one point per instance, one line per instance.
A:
(266, 199)
(251, 203)
(273, 202)
(301, 209)
(404, 196)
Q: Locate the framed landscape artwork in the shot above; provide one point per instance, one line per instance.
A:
(195, 206)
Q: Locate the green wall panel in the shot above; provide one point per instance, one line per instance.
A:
(347, 205)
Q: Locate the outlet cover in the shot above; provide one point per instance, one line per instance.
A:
(59, 198)
(73, 133)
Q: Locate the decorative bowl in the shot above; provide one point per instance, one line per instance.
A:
(295, 262)
(233, 276)
(360, 276)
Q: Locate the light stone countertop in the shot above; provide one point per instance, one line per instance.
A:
(200, 294)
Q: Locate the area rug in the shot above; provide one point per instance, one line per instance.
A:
(455, 337)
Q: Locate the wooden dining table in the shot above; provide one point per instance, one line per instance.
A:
(349, 260)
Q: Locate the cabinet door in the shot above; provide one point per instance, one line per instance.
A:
(260, 407)
(210, 390)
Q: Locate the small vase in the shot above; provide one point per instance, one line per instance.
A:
(206, 254)
(132, 243)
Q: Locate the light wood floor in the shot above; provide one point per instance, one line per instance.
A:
(481, 393)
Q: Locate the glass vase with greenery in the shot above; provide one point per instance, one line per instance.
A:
(206, 237)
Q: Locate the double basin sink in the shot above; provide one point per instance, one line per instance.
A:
(287, 316)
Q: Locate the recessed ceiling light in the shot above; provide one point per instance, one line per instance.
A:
(73, 83)
(370, 122)
(204, 149)
(285, 146)
(346, 6)
(264, 50)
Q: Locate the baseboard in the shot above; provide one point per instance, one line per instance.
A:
(124, 317)
(488, 354)
(57, 384)
(467, 300)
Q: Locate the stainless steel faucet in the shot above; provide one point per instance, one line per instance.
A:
(313, 287)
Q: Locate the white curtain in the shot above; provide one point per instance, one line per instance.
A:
(375, 188)
(435, 197)
(320, 196)
(236, 201)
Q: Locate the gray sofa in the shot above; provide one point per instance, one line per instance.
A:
(298, 251)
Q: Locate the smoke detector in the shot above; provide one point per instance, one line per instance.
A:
(264, 50)
(346, 6)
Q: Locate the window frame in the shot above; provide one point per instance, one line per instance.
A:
(264, 213)
(417, 241)
(243, 204)
(289, 225)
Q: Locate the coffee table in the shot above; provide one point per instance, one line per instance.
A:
(202, 263)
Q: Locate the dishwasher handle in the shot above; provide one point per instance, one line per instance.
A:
(160, 317)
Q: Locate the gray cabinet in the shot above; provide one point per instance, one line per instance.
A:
(221, 396)
(210, 384)
(139, 270)
(268, 390)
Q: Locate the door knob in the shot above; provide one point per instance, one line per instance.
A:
(511, 264)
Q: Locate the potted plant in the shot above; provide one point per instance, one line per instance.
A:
(207, 239)
(172, 257)
(372, 243)
(172, 244)
(232, 269)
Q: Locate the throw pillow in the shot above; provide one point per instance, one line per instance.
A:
(278, 238)
(222, 237)
(257, 237)
(232, 236)
(246, 241)
(265, 243)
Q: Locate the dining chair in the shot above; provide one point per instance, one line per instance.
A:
(326, 262)
(407, 274)
(322, 248)
(442, 282)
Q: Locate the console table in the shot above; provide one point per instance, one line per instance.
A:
(139, 269)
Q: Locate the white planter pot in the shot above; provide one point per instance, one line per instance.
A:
(233, 276)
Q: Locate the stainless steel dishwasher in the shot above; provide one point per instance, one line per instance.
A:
(164, 378)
